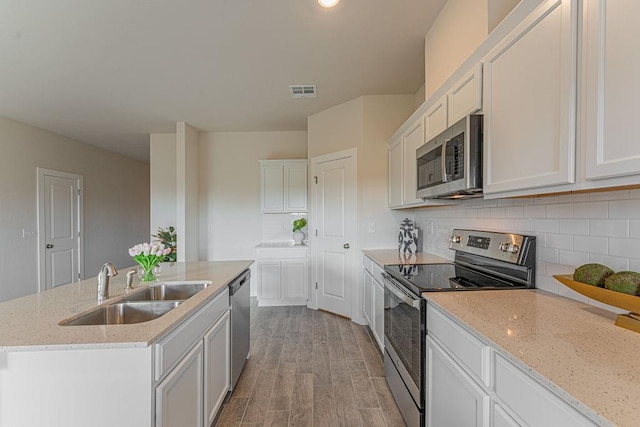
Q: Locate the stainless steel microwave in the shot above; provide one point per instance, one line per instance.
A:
(450, 165)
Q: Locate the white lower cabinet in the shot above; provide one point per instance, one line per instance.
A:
(179, 397)
(217, 366)
(453, 397)
(282, 275)
(373, 299)
(500, 417)
(378, 313)
(367, 297)
(469, 383)
(193, 367)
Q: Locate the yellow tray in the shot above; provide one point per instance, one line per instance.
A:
(616, 299)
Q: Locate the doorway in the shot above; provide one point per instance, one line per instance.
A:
(334, 231)
(60, 228)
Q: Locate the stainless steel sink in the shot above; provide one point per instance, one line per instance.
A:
(124, 313)
(168, 292)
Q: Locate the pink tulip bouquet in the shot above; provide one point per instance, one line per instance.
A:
(149, 255)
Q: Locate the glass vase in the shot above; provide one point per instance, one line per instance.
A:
(149, 276)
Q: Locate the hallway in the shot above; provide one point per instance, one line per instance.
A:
(310, 368)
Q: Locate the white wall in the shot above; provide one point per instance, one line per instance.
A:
(335, 129)
(116, 202)
(459, 29)
(187, 194)
(570, 230)
(230, 217)
(163, 181)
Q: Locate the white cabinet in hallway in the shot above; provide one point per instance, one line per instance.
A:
(282, 271)
(612, 66)
(530, 102)
(283, 186)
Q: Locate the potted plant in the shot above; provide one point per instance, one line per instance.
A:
(298, 234)
(168, 237)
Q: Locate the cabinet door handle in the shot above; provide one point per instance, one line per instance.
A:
(49, 246)
(346, 246)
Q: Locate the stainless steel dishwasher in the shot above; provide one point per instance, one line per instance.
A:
(239, 293)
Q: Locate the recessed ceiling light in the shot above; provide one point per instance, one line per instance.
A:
(328, 3)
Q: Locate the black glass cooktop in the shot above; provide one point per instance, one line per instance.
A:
(446, 277)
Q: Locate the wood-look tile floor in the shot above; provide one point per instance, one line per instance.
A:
(310, 368)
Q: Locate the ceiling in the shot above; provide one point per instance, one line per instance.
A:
(108, 73)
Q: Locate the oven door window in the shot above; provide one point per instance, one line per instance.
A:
(429, 168)
(402, 331)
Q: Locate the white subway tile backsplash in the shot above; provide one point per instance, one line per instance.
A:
(548, 284)
(570, 293)
(573, 258)
(572, 198)
(609, 227)
(559, 241)
(571, 230)
(574, 226)
(591, 210)
(614, 263)
(547, 225)
(560, 210)
(535, 211)
(514, 212)
(629, 248)
(548, 254)
(609, 195)
(624, 209)
(591, 244)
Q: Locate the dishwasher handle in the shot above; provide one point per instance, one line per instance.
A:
(235, 286)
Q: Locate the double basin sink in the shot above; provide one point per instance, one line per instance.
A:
(142, 306)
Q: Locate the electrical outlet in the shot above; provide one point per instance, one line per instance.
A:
(372, 227)
(28, 234)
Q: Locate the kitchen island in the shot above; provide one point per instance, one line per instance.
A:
(144, 374)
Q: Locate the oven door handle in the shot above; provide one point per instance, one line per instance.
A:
(399, 293)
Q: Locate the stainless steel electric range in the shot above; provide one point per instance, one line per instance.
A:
(483, 261)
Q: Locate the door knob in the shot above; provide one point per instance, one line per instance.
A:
(49, 246)
(346, 246)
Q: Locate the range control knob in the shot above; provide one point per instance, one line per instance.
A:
(455, 239)
(509, 247)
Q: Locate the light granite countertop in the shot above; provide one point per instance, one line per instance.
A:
(31, 322)
(384, 257)
(573, 348)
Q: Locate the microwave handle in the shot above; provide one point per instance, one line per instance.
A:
(443, 158)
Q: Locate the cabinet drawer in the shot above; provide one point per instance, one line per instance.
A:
(534, 403)
(376, 272)
(367, 263)
(470, 352)
(171, 348)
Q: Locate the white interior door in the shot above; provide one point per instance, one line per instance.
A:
(335, 225)
(60, 225)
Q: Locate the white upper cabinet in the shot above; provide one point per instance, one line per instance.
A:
(436, 118)
(612, 67)
(411, 140)
(395, 174)
(530, 102)
(283, 186)
(466, 96)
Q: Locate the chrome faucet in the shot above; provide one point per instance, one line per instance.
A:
(107, 270)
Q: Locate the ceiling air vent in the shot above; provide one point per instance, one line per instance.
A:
(303, 91)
